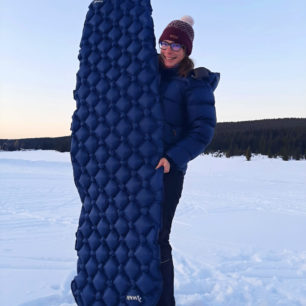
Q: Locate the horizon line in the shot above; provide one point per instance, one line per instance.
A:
(240, 121)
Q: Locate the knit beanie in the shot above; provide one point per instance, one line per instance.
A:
(180, 31)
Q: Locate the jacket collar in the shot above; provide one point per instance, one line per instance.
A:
(168, 72)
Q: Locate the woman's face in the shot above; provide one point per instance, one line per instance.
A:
(172, 58)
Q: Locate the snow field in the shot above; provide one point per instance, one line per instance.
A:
(238, 236)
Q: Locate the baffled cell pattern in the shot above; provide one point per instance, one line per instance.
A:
(115, 147)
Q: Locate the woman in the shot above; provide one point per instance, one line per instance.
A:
(190, 118)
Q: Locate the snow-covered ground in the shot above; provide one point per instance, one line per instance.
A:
(238, 235)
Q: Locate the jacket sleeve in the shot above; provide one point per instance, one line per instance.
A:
(201, 122)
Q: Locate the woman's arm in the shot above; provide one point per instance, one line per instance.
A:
(201, 116)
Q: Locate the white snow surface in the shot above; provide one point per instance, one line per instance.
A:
(238, 235)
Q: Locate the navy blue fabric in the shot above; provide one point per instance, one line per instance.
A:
(189, 113)
(173, 186)
(116, 143)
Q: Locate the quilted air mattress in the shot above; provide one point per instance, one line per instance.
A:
(116, 143)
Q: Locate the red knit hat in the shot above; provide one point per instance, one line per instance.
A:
(180, 31)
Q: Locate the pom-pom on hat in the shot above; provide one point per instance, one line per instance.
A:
(180, 31)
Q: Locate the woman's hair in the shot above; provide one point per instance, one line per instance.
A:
(185, 66)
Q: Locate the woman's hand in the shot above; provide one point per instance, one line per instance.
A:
(164, 162)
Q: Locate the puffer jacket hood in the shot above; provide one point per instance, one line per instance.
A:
(205, 74)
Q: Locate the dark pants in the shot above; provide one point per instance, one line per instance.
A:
(173, 186)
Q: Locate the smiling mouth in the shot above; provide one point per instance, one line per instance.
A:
(169, 58)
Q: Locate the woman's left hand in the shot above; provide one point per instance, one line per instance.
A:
(164, 162)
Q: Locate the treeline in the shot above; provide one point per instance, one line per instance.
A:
(284, 138)
(272, 137)
(61, 144)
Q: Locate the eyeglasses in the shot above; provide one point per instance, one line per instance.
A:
(174, 46)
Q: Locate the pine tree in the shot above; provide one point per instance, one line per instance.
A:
(248, 153)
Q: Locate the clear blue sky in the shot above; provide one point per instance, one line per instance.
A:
(258, 47)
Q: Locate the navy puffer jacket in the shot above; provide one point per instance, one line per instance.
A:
(189, 113)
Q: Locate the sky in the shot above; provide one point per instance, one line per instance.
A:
(258, 47)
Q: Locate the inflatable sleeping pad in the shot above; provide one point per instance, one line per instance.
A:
(116, 143)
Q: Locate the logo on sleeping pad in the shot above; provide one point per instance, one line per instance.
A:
(98, 1)
(134, 298)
